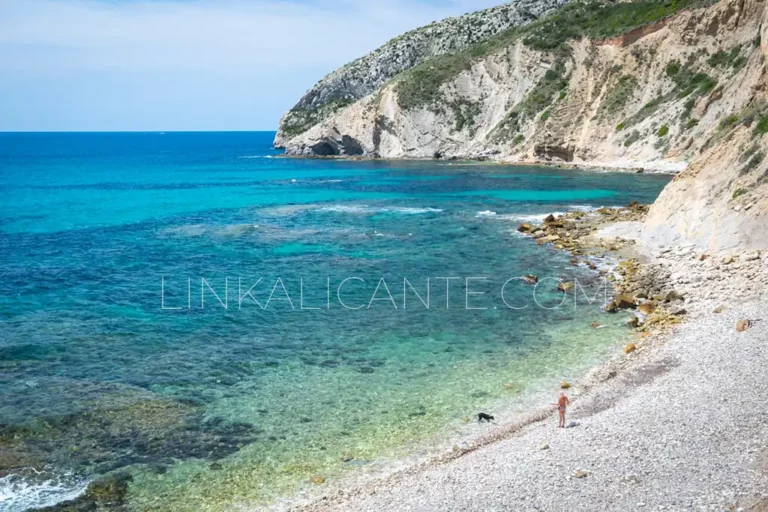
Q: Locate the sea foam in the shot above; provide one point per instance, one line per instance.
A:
(19, 493)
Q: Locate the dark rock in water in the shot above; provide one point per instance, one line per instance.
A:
(11, 459)
(417, 413)
(193, 401)
(365, 369)
(525, 228)
(215, 466)
(159, 469)
(153, 432)
(479, 394)
(107, 493)
(329, 363)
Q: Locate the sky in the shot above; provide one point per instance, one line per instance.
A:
(162, 65)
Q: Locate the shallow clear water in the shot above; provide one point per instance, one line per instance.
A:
(209, 407)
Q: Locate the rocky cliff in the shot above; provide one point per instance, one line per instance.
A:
(367, 74)
(650, 84)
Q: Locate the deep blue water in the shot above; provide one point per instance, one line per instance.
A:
(208, 406)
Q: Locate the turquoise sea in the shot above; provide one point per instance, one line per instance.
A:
(117, 251)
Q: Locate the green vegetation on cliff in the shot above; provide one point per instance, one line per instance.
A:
(595, 19)
(618, 95)
(730, 59)
(304, 119)
(538, 99)
(598, 20)
(687, 81)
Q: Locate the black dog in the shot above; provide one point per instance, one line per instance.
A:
(482, 416)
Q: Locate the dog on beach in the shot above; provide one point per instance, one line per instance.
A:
(482, 416)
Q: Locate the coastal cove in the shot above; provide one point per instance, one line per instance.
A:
(212, 407)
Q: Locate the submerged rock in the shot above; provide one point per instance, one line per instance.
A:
(107, 493)
(154, 432)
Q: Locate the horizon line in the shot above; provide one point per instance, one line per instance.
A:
(135, 131)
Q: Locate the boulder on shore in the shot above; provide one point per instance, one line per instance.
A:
(525, 228)
(672, 296)
(677, 311)
(646, 308)
(624, 301)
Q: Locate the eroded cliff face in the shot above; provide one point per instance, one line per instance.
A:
(686, 91)
(720, 202)
(367, 74)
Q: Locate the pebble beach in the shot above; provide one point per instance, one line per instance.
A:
(676, 423)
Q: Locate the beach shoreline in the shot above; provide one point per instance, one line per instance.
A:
(715, 292)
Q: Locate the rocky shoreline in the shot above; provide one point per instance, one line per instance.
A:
(672, 422)
(639, 167)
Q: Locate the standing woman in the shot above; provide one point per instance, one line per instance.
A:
(562, 402)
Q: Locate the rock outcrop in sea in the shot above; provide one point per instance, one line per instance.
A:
(641, 85)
